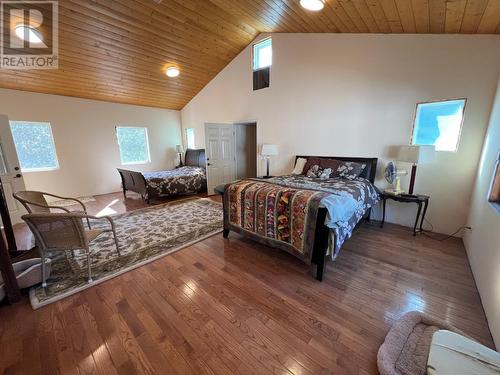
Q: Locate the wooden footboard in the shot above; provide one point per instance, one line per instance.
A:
(133, 181)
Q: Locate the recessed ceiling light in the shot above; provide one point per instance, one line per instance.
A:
(314, 5)
(172, 71)
(28, 33)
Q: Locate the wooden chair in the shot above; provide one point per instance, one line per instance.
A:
(35, 202)
(65, 231)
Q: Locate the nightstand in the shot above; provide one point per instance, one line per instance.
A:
(420, 200)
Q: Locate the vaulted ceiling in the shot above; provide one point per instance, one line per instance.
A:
(118, 50)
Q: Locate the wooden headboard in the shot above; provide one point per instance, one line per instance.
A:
(195, 158)
(368, 173)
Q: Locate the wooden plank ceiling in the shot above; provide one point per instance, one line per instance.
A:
(118, 50)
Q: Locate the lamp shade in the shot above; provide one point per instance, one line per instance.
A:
(416, 154)
(269, 150)
(179, 149)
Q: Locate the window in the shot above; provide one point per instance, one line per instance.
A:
(439, 124)
(262, 61)
(34, 146)
(133, 144)
(494, 195)
(262, 54)
(190, 138)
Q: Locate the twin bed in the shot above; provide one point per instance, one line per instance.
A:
(188, 179)
(308, 216)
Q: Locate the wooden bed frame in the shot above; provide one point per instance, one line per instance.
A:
(135, 181)
(322, 231)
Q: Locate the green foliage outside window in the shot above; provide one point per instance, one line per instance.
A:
(34, 145)
(133, 144)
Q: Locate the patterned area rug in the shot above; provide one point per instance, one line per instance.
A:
(144, 235)
(69, 202)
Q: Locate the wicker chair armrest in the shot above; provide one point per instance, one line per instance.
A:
(49, 207)
(109, 218)
(68, 198)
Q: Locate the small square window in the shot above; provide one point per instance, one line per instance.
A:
(262, 54)
(133, 144)
(439, 124)
(34, 146)
(190, 138)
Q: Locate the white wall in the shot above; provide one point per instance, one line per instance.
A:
(355, 95)
(483, 242)
(84, 134)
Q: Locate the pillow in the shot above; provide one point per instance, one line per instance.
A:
(310, 163)
(325, 174)
(349, 170)
(314, 171)
(299, 166)
(332, 164)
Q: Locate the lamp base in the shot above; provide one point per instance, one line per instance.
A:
(412, 179)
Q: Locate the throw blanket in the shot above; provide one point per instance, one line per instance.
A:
(278, 216)
(346, 204)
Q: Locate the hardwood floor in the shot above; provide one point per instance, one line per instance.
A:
(233, 306)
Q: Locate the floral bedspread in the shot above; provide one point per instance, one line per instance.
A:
(176, 181)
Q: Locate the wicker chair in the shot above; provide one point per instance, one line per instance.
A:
(35, 202)
(65, 231)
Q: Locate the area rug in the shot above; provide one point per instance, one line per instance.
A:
(144, 235)
(70, 202)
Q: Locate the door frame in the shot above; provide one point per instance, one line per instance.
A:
(249, 123)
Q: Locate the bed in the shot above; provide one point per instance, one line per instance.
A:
(188, 179)
(308, 217)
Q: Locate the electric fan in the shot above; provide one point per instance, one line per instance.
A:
(393, 176)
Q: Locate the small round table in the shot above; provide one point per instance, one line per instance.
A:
(420, 200)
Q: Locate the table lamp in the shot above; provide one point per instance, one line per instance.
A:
(415, 155)
(180, 151)
(267, 151)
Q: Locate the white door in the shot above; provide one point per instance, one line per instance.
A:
(10, 171)
(221, 163)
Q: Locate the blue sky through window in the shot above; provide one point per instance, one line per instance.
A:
(439, 124)
(262, 54)
(34, 145)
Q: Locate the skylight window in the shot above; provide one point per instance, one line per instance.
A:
(439, 124)
(262, 54)
(34, 146)
(133, 144)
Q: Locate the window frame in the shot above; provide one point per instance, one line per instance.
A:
(53, 144)
(146, 133)
(492, 198)
(438, 101)
(253, 53)
(187, 138)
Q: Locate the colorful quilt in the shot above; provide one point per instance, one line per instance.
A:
(279, 216)
(282, 211)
